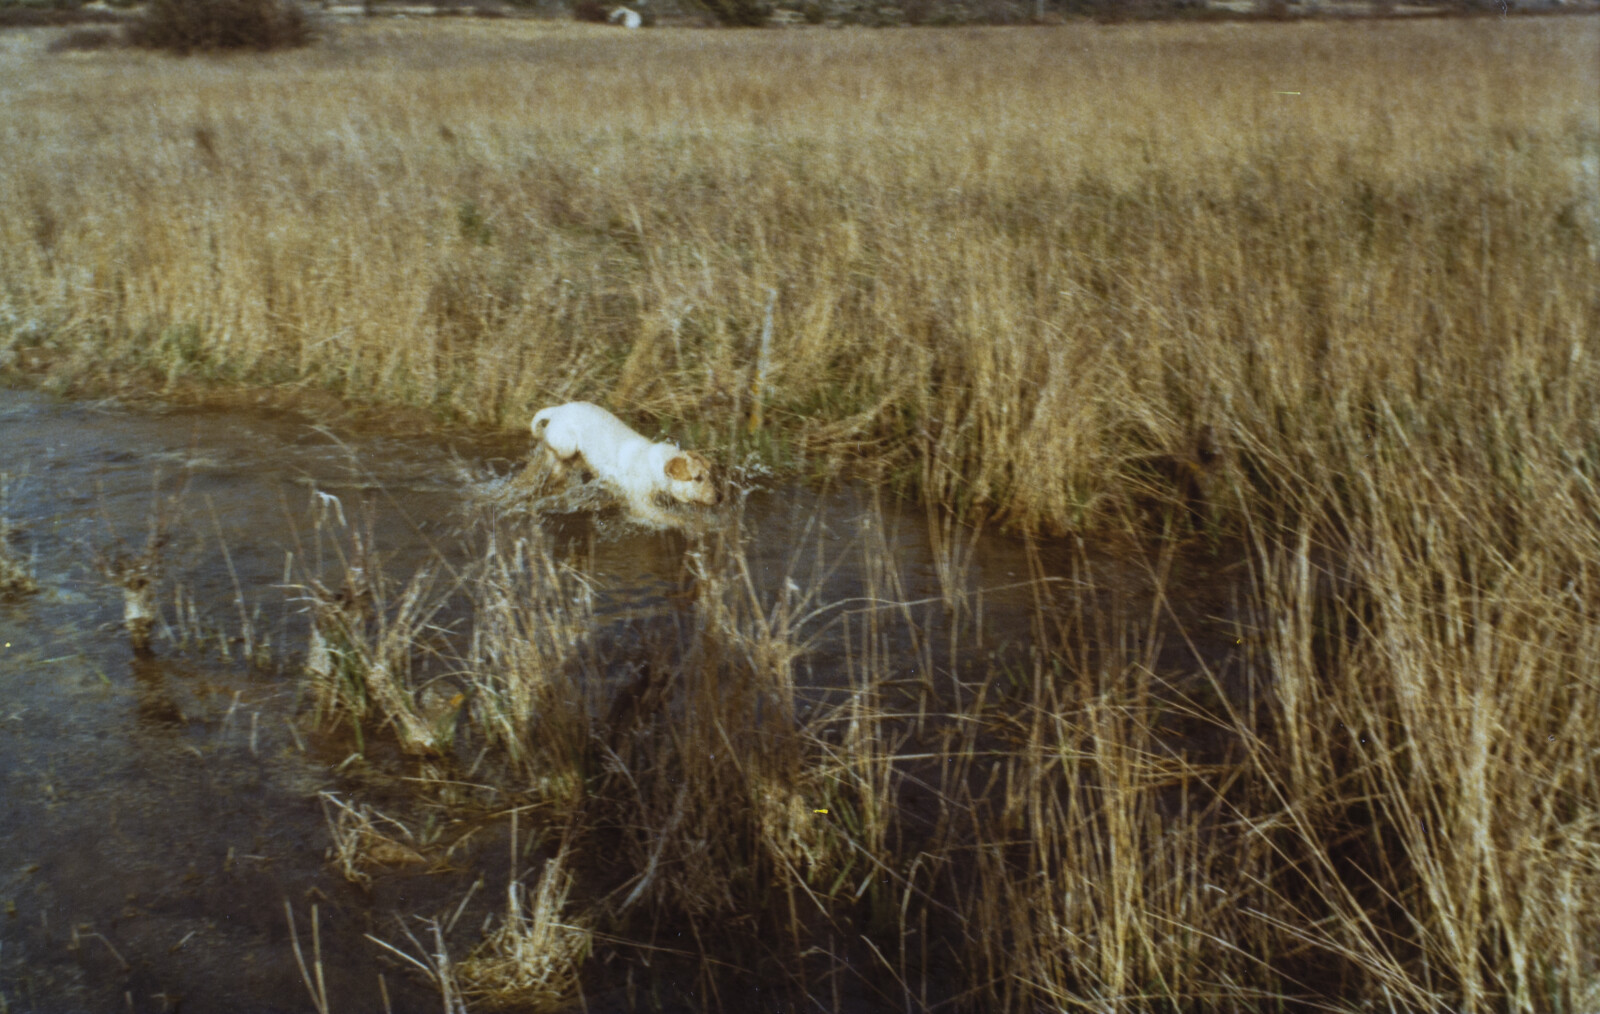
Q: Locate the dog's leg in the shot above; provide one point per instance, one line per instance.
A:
(545, 469)
(645, 511)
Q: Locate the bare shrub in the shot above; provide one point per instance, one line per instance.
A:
(739, 13)
(185, 26)
(25, 15)
(83, 40)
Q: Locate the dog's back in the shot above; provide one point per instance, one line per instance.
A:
(618, 455)
(602, 439)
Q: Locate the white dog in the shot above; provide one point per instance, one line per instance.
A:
(641, 471)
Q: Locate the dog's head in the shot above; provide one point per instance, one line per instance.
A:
(689, 479)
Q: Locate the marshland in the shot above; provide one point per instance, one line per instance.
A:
(1160, 570)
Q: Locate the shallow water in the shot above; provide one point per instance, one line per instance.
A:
(156, 813)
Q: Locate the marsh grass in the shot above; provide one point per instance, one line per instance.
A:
(1033, 276)
(311, 974)
(526, 663)
(1010, 266)
(363, 839)
(138, 573)
(1384, 793)
(16, 574)
(367, 637)
(531, 960)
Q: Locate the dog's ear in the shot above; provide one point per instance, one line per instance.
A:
(678, 467)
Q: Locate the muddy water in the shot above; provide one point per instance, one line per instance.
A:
(156, 813)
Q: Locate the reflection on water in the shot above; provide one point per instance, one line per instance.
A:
(157, 812)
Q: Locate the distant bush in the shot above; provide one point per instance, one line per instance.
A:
(1002, 12)
(36, 16)
(84, 40)
(590, 10)
(739, 13)
(1113, 11)
(183, 26)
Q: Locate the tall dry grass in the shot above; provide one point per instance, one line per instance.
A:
(1080, 278)
(1386, 796)
(1011, 266)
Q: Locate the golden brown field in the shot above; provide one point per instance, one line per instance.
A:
(1326, 292)
(1008, 264)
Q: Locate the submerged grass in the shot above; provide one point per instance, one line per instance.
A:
(16, 574)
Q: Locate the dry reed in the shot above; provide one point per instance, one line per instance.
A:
(1328, 290)
(1391, 800)
(1010, 266)
(16, 574)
